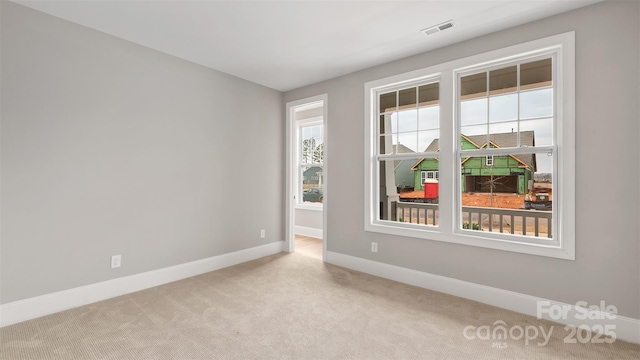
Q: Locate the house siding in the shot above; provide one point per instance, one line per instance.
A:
(477, 167)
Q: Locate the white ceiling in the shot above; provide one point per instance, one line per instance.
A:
(288, 44)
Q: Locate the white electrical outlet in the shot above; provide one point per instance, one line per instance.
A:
(263, 233)
(374, 247)
(116, 261)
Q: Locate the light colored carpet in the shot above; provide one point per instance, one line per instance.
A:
(309, 246)
(285, 306)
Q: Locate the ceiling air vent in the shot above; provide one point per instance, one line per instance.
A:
(440, 27)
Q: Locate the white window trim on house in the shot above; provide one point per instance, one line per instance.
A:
(449, 229)
(300, 204)
(424, 175)
(489, 160)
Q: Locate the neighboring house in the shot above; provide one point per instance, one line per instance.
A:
(403, 168)
(312, 177)
(510, 173)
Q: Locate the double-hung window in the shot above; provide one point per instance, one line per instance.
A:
(310, 162)
(489, 144)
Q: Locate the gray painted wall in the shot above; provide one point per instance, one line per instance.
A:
(112, 148)
(607, 265)
(309, 218)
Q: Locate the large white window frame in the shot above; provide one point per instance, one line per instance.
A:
(562, 48)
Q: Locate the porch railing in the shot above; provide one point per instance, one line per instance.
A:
(512, 221)
(417, 213)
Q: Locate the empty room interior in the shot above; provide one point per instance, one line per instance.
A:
(320, 179)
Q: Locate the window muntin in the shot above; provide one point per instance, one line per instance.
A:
(555, 145)
(409, 118)
(520, 98)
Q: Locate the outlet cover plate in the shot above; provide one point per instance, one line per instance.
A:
(116, 261)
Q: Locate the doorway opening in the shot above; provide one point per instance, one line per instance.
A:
(308, 246)
(306, 176)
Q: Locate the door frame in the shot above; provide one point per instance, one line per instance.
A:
(291, 168)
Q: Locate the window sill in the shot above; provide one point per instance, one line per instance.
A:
(474, 238)
(311, 206)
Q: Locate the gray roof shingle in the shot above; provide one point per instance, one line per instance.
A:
(502, 140)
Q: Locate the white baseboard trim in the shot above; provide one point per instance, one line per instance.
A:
(27, 309)
(627, 329)
(308, 231)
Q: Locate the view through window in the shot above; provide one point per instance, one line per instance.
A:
(500, 123)
(408, 134)
(508, 107)
(311, 159)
